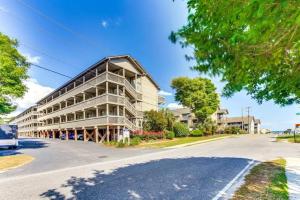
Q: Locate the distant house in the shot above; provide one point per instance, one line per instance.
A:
(220, 118)
(257, 128)
(184, 115)
(245, 123)
(249, 124)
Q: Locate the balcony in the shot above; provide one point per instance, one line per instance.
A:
(106, 76)
(90, 122)
(95, 101)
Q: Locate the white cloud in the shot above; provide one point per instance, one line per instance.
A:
(32, 59)
(164, 93)
(34, 93)
(173, 106)
(104, 23)
(3, 9)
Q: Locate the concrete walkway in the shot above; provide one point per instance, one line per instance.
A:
(293, 177)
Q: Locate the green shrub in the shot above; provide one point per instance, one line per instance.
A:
(196, 133)
(135, 141)
(180, 130)
(121, 144)
(169, 135)
(208, 127)
(234, 130)
(243, 132)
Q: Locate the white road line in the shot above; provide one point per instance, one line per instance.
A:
(133, 158)
(227, 187)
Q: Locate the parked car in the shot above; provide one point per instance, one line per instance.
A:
(71, 136)
(9, 136)
(79, 136)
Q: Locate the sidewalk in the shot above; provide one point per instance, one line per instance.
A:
(293, 177)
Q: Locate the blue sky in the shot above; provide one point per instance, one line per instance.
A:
(86, 31)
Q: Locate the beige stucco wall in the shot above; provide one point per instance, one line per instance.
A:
(150, 95)
(124, 63)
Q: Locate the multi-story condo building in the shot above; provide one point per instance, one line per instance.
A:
(99, 103)
(27, 122)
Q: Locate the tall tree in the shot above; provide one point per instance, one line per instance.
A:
(251, 45)
(13, 71)
(199, 94)
(154, 121)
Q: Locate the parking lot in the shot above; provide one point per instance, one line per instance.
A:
(53, 154)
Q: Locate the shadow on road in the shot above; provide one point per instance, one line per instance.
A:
(24, 143)
(182, 178)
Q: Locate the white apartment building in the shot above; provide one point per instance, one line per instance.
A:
(99, 103)
(257, 126)
(27, 122)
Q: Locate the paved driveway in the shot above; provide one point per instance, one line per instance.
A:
(55, 154)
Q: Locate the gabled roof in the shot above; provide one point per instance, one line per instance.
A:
(257, 121)
(222, 111)
(239, 119)
(103, 60)
(180, 111)
(25, 111)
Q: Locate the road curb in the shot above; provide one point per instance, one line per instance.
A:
(228, 191)
(194, 143)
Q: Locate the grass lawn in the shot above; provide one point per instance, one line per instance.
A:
(178, 141)
(289, 138)
(267, 180)
(8, 162)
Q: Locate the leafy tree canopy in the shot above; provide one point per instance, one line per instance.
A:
(154, 121)
(251, 45)
(13, 70)
(199, 94)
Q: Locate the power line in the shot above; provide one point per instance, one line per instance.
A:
(57, 23)
(41, 30)
(46, 54)
(248, 112)
(50, 70)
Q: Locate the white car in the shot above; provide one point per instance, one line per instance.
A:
(9, 136)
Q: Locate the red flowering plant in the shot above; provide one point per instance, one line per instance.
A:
(147, 135)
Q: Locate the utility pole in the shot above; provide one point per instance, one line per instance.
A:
(248, 111)
(242, 119)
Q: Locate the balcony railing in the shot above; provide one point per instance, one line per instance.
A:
(106, 76)
(132, 90)
(130, 107)
(90, 122)
(98, 100)
(130, 125)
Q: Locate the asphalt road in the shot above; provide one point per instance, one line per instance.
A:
(56, 154)
(194, 172)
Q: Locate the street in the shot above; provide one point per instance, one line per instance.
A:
(193, 172)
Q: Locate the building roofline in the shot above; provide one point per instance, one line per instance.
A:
(130, 58)
(25, 111)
